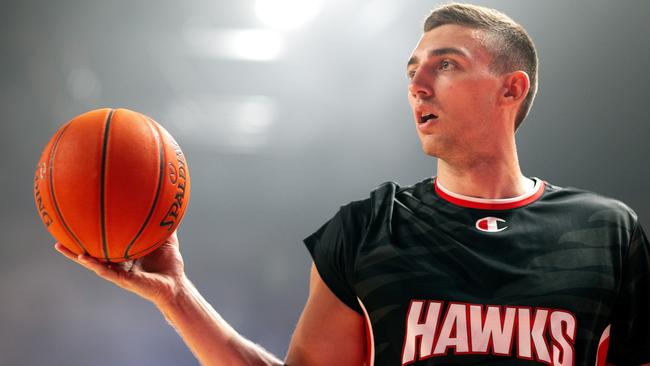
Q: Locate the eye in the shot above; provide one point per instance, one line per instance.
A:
(446, 65)
(411, 74)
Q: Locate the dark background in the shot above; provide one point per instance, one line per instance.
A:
(274, 147)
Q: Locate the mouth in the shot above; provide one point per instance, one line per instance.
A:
(424, 118)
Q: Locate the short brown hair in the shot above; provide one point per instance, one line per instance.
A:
(511, 47)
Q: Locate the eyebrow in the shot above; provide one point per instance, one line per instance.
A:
(439, 52)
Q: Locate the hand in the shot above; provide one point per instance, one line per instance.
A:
(155, 277)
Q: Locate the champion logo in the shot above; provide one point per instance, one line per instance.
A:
(491, 224)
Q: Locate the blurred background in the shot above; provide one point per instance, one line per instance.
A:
(285, 109)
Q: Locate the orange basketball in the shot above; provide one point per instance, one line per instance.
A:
(112, 183)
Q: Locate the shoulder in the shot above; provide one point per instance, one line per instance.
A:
(390, 191)
(598, 206)
(379, 202)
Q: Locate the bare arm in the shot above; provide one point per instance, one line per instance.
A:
(212, 340)
(328, 333)
(160, 278)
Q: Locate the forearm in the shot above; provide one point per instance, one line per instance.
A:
(210, 338)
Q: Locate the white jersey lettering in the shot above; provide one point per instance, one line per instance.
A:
(454, 331)
(563, 331)
(423, 332)
(489, 330)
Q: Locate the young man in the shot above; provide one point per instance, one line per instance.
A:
(480, 265)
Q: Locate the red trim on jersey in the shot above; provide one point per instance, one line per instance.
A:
(370, 339)
(603, 347)
(369, 343)
(491, 205)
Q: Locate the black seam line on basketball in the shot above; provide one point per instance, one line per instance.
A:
(158, 138)
(54, 202)
(143, 250)
(102, 203)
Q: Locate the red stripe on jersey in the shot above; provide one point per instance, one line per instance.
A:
(370, 339)
(490, 205)
(603, 347)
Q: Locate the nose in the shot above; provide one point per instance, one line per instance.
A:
(420, 86)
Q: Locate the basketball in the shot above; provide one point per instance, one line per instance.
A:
(111, 183)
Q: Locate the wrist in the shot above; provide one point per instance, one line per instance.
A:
(175, 294)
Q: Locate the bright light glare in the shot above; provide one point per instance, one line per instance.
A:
(377, 15)
(238, 124)
(239, 44)
(286, 14)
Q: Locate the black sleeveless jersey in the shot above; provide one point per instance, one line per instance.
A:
(560, 276)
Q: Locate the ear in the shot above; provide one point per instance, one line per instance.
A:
(515, 87)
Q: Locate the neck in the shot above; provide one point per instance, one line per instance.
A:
(495, 175)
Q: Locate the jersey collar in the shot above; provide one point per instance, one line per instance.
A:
(491, 203)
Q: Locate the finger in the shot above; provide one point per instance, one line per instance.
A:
(82, 259)
(65, 251)
(136, 265)
(173, 239)
(126, 266)
(90, 262)
(71, 255)
(106, 271)
(118, 273)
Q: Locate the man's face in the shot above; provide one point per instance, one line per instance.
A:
(452, 92)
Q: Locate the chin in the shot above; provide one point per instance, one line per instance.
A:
(430, 146)
(430, 150)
